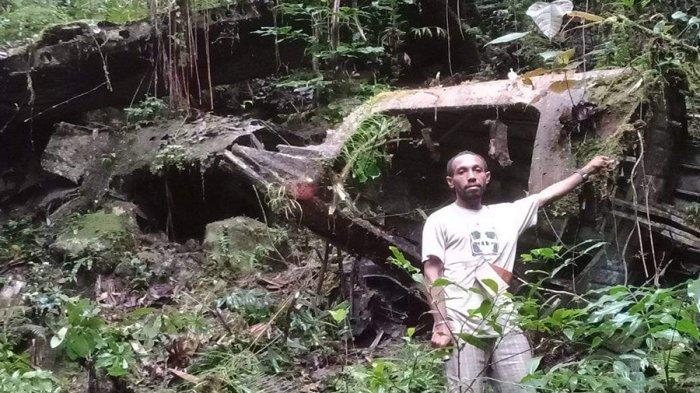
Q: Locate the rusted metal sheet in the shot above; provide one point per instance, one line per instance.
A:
(552, 95)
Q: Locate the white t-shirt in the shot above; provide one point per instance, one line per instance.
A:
(467, 242)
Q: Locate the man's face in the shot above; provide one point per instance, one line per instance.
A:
(469, 177)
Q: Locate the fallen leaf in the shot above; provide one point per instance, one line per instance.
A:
(562, 86)
(586, 16)
(527, 77)
(258, 329)
(185, 376)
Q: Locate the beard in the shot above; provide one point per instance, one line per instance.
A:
(468, 194)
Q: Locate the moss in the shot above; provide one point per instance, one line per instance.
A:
(615, 145)
(95, 233)
(242, 245)
(97, 224)
(621, 95)
(619, 98)
(692, 214)
(565, 206)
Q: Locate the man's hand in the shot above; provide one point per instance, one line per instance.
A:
(598, 163)
(563, 187)
(441, 335)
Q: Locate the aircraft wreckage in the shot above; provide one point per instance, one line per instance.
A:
(525, 125)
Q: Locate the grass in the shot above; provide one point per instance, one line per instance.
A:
(220, 370)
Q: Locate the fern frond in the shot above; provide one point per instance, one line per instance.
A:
(37, 331)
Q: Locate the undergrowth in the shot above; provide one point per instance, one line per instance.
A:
(259, 256)
(631, 339)
(149, 109)
(615, 339)
(172, 157)
(413, 368)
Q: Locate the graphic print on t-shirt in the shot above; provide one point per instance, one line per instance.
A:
(483, 243)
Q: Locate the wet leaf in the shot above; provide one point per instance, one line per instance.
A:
(58, 338)
(508, 38)
(549, 16)
(680, 15)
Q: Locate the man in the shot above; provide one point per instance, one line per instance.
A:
(472, 247)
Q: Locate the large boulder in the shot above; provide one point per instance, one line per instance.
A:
(241, 244)
(71, 151)
(96, 233)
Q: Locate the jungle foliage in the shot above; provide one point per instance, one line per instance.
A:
(224, 337)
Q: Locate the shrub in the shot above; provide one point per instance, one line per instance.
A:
(255, 306)
(414, 368)
(149, 109)
(38, 381)
(629, 339)
(86, 338)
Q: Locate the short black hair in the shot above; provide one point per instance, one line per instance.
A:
(450, 170)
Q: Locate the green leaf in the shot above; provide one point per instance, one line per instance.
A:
(688, 327)
(569, 333)
(618, 289)
(508, 38)
(397, 258)
(671, 335)
(340, 312)
(417, 277)
(473, 340)
(485, 307)
(441, 282)
(533, 364)
(410, 332)
(117, 369)
(79, 345)
(491, 284)
(563, 59)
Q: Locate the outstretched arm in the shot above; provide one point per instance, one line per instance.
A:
(563, 187)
